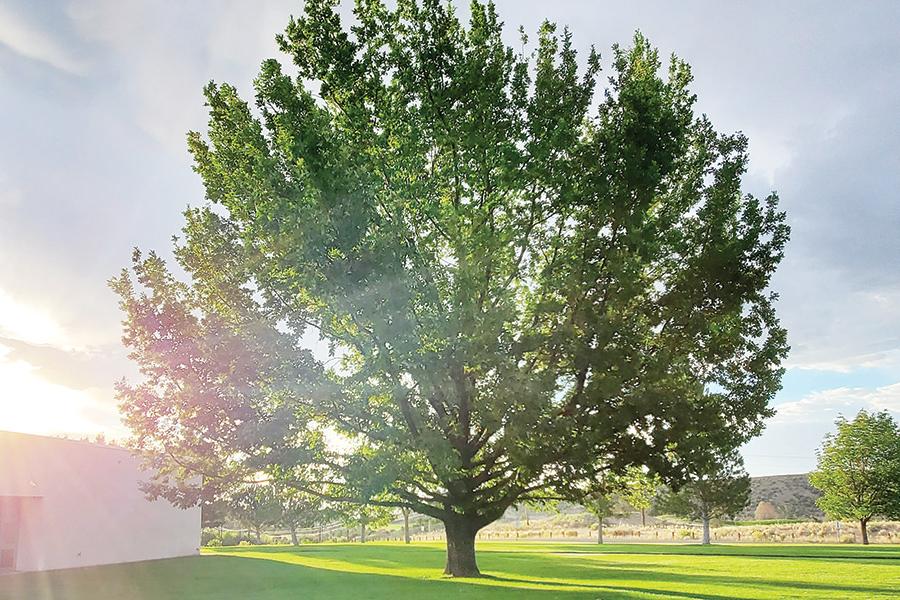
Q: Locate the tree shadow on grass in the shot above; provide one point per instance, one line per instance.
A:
(551, 572)
(825, 551)
(269, 574)
(225, 577)
(339, 584)
(662, 576)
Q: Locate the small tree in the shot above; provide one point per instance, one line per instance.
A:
(214, 513)
(639, 491)
(522, 513)
(765, 511)
(718, 488)
(297, 509)
(602, 506)
(366, 516)
(859, 470)
(603, 500)
(255, 506)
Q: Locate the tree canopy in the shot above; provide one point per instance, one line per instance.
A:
(858, 470)
(366, 517)
(298, 510)
(255, 506)
(604, 499)
(639, 491)
(716, 488)
(523, 283)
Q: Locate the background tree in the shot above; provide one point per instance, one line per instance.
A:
(214, 514)
(296, 510)
(604, 499)
(255, 507)
(366, 517)
(717, 488)
(602, 505)
(405, 511)
(639, 490)
(765, 511)
(858, 470)
(521, 291)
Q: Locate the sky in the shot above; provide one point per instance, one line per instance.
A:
(96, 97)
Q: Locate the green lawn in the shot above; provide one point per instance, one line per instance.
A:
(514, 570)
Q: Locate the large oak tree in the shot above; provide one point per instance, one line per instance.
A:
(524, 283)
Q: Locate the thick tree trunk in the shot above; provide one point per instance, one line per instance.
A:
(863, 529)
(600, 530)
(643, 517)
(706, 529)
(461, 549)
(294, 536)
(406, 526)
(362, 533)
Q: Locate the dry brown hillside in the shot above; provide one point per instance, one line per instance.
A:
(792, 496)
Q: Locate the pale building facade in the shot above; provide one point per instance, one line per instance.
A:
(66, 503)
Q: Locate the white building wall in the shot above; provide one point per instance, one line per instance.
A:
(81, 506)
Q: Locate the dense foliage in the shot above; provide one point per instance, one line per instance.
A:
(523, 286)
(639, 491)
(366, 517)
(602, 502)
(300, 510)
(859, 470)
(716, 488)
(255, 507)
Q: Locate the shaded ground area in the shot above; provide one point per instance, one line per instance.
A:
(514, 570)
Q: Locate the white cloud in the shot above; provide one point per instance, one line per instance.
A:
(32, 404)
(24, 39)
(158, 72)
(163, 74)
(833, 328)
(828, 405)
(23, 321)
(887, 360)
(769, 154)
(792, 436)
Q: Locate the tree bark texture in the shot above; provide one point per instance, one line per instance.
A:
(461, 549)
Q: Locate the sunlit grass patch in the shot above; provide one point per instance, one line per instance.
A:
(512, 570)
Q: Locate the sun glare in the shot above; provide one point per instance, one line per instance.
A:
(30, 404)
(24, 322)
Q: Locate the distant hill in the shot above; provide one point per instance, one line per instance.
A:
(792, 495)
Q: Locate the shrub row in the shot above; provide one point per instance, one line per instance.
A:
(223, 537)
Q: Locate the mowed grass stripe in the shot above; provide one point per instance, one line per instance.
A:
(514, 570)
